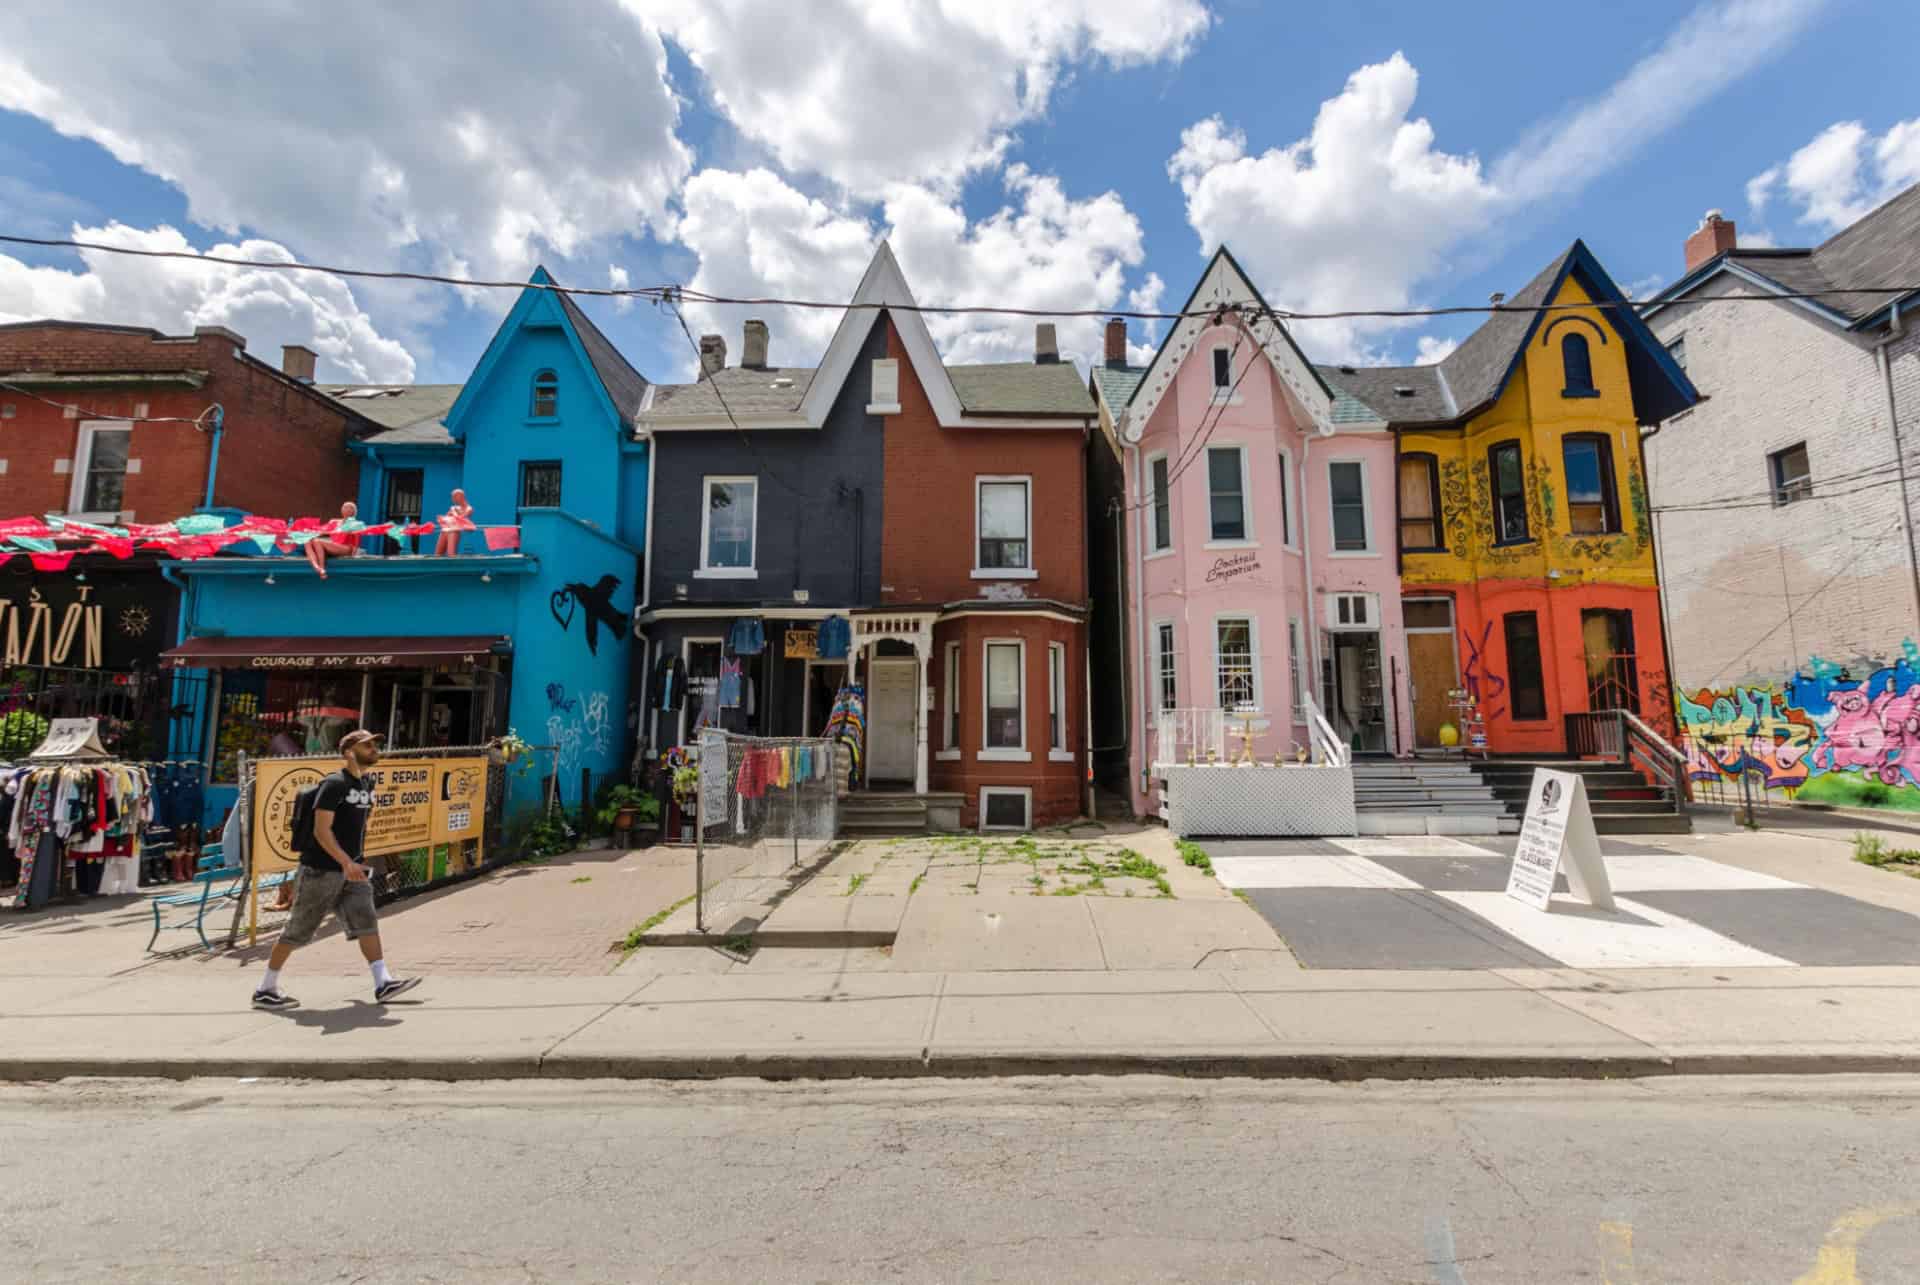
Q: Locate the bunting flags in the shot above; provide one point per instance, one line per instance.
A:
(201, 535)
(502, 537)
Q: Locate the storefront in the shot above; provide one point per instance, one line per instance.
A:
(773, 672)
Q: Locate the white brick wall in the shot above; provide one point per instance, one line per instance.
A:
(1752, 594)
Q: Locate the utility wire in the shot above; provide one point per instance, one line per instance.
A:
(83, 412)
(714, 384)
(661, 293)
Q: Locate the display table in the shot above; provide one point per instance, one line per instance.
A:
(1298, 799)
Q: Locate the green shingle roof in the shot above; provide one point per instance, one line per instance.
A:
(1116, 384)
(1021, 388)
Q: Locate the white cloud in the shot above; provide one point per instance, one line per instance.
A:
(825, 86)
(1433, 350)
(756, 235)
(1356, 213)
(1842, 174)
(431, 130)
(618, 278)
(1644, 287)
(268, 307)
(1716, 45)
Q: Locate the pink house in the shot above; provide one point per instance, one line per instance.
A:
(1261, 567)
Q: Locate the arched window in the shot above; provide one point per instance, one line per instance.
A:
(1579, 366)
(546, 395)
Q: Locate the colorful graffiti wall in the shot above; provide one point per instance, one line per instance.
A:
(1828, 734)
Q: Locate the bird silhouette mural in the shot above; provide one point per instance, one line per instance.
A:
(596, 601)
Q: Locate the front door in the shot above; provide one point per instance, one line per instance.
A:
(1613, 671)
(1432, 671)
(890, 725)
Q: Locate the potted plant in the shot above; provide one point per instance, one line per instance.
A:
(686, 793)
(624, 807)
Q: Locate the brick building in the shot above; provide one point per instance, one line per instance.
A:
(90, 427)
(1785, 506)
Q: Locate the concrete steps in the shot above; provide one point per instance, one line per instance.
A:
(1406, 797)
(1623, 801)
(882, 816)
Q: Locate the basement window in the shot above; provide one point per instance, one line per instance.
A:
(1006, 808)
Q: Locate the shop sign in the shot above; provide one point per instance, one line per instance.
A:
(109, 622)
(803, 644)
(1229, 568)
(1558, 834)
(417, 802)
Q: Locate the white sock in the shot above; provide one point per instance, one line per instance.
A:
(271, 982)
(380, 974)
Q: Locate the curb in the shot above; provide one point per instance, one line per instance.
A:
(832, 939)
(869, 1064)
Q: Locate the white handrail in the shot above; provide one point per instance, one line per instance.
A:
(1331, 750)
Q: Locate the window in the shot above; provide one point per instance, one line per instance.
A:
(1056, 698)
(1509, 493)
(1578, 364)
(953, 696)
(100, 470)
(1167, 662)
(1526, 689)
(1593, 507)
(1003, 808)
(1347, 492)
(540, 484)
(1006, 697)
(1420, 503)
(1286, 500)
(1233, 663)
(1222, 372)
(1296, 667)
(406, 495)
(1677, 349)
(546, 395)
(1792, 474)
(728, 526)
(1227, 493)
(1162, 510)
(1002, 515)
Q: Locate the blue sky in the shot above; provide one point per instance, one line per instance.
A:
(1078, 155)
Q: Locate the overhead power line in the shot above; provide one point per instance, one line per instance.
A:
(662, 293)
(82, 412)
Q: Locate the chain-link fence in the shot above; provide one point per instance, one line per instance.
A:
(438, 818)
(767, 807)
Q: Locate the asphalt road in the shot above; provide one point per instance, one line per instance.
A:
(1049, 1180)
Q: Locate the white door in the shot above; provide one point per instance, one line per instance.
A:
(890, 720)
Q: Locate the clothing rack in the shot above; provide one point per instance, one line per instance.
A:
(76, 820)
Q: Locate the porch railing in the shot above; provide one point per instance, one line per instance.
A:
(1179, 734)
(1327, 748)
(1620, 736)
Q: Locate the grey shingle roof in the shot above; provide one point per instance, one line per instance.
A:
(1368, 394)
(1021, 388)
(623, 383)
(408, 412)
(775, 390)
(1476, 370)
(1116, 384)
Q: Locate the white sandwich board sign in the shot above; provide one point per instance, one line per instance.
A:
(1558, 835)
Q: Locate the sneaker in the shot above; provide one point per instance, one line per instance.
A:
(394, 988)
(274, 1000)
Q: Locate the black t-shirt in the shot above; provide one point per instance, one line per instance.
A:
(350, 801)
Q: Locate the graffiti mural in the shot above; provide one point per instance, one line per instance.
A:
(1827, 733)
(1483, 686)
(596, 601)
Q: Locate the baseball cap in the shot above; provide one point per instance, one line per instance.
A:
(352, 739)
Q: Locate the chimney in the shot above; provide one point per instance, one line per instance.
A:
(1117, 341)
(753, 345)
(1046, 349)
(296, 361)
(713, 354)
(1713, 238)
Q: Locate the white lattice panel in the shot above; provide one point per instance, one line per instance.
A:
(1296, 800)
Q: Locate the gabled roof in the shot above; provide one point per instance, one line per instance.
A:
(395, 405)
(1879, 251)
(619, 385)
(1399, 392)
(1473, 376)
(1223, 284)
(1114, 385)
(985, 395)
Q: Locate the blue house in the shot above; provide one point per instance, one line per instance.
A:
(452, 650)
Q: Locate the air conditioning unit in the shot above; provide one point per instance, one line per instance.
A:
(1352, 611)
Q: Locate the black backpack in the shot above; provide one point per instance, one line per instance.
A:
(303, 810)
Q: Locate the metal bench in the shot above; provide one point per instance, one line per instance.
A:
(218, 884)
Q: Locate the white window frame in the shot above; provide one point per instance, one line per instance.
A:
(1057, 750)
(1164, 633)
(686, 665)
(1153, 507)
(1289, 501)
(705, 572)
(1028, 572)
(1253, 655)
(950, 714)
(1296, 668)
(1251, 539)
(1007, 753)
(1366, 509)
(1026, 797)
(83, 463)
(884, 388)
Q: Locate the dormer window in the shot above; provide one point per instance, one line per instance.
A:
(1578, 363)
(546, 395)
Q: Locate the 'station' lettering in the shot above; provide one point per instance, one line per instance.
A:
(1240, 564)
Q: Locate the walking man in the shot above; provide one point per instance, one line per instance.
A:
(333, 877)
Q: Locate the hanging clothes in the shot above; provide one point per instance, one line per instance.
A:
(748, 637)
(835, 638)
(730, 682)
(669, 691)
(89, 816)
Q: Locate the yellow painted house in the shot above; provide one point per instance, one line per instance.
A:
(1527, 570)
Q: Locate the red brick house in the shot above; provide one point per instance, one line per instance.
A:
(88, 429)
